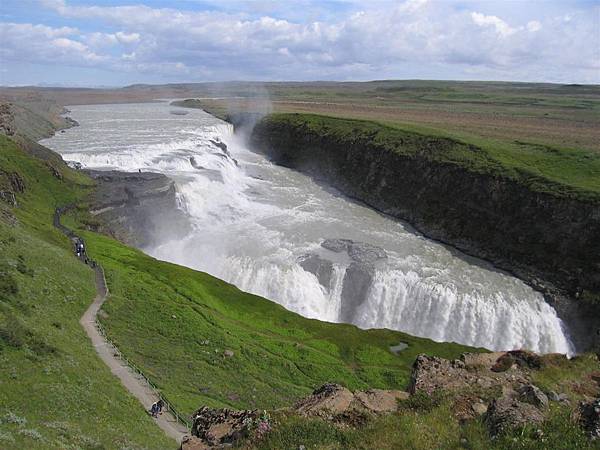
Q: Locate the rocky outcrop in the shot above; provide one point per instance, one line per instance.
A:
(223, 428)
(430, 374)
(11, 184)
(7, 119)
(318, 266)
(589, 418)
(506, 399)
(55, 172)
(507, 413)
(334, 402)
(533, 395)
(217, 428)
(193, 443)
(550, 241)
(136, 207)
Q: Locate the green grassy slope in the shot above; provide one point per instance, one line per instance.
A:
(176, 323)
(563, 172)
(171, 321)
(54, 391)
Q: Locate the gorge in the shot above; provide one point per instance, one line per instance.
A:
(278, 233)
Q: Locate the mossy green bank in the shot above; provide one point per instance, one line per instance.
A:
(54, 391)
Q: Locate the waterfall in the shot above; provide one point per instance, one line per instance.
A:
(276, 233)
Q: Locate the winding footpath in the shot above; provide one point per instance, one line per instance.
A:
(135, 383)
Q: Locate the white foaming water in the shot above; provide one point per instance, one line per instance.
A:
(254, 222)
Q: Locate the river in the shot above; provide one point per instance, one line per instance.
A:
(277, 233)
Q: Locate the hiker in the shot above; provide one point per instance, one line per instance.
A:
(77, 248)
(154, 409)
(160, 404)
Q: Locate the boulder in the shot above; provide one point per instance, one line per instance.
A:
(216, 427)
(479, 408)
(360, 252)
(55, 172)
(332, 401)
(431, 373)
(508, 413)
(379, 400)
(589, 417)
(481, 360)
(9, 197)
(533, 395)
(326, 401)
(524, 359)
(16, 181)
(553, 396)
(192, 443)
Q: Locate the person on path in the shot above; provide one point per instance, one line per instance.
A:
(154, 409)
(160, 405)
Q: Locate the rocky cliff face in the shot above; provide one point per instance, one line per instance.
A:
(553, 243)
(136, 207)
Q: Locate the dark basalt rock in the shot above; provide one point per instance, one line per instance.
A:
(136, 206)
(589, 418)
(357, 280)
(322, 268)
(11, 184)
(508, 413)
(359, 274)
(532, 394)
(360, 252)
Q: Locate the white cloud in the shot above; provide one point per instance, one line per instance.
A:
(382, 40)
(501, 27)
(127, 38)
(39, 43)
(534, 26)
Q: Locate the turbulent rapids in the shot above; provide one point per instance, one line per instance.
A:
(276, 233)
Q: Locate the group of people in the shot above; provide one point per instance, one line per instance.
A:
(156, 408)
(79, 248)
(80, 252)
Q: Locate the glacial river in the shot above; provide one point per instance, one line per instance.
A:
(277, 233)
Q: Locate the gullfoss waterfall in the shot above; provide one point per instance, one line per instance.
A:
(279, 234)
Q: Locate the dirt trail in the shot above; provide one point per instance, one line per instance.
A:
(130, 379)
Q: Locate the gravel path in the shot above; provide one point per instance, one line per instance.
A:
(131, 380)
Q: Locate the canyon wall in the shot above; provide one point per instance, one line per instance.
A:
(550, 241)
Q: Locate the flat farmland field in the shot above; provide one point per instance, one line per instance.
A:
(566, 116)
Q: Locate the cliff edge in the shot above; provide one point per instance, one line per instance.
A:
(546, 233)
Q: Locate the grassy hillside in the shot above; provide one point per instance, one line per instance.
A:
(54, 391)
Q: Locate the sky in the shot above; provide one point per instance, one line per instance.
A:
(122, 42)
